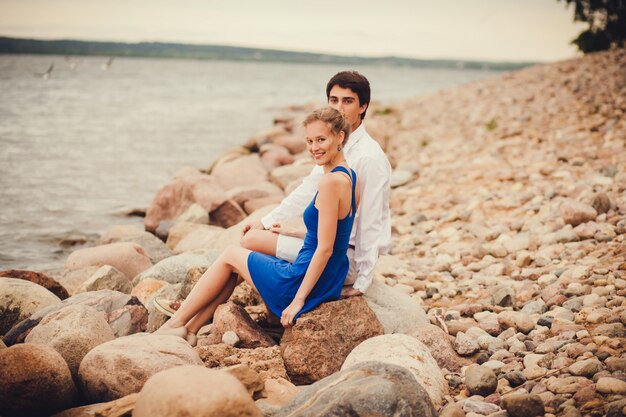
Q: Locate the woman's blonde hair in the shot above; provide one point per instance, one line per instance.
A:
(336, 121)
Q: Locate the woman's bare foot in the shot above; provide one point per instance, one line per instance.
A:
(167, 329)
(192, 339)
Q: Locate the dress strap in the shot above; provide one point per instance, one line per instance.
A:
(353, 190)
(352, 176)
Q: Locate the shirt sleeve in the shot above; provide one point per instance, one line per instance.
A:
(294, 204)
(369, 222)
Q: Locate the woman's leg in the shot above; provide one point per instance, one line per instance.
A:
(212, 284)
(206, 314)
(262, 241)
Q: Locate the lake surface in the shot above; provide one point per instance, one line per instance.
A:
(92, 140)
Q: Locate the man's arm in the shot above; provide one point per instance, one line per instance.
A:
(370, 222)
(294, 204)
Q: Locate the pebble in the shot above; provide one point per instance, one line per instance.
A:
(523, 405)
(515, 378)
(479, 407)
(465, 346)
(587, 367)
(608, 385)
(520, 321)
(230, 338)
(480, 380)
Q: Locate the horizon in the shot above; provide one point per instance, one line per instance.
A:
(494, 31)
(452, 59)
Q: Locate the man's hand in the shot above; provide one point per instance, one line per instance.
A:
(280, 229)
(252, 225)
(350, 292)
(286, 319)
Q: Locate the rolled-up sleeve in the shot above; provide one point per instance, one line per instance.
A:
(369, 233)
(294, 204)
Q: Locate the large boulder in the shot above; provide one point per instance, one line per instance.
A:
(20, 299)
(146, 289)
(396, 311)
(254, 191)
(194, 214)
(294, 143)
(440, 347)
(203, 238)
(175, 268)
(38, 278)
(239, 172)
(405, 351)
(72, 279)
(121, 366)
(186, 239)
(124, 313)
(274, 156)
(287, 174)
(264, 360)
(35, 381)
(129, 258)
(72, 331)
(177, 231)
(229, 213)
(258, 203)
(366, 389)
(233, 317)
(107, 278)
(318, 343)
(186, 188)
(214, 393)
(154, 247)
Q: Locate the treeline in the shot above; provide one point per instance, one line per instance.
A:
(186, 51)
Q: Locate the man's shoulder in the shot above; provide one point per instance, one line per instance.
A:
(368, 150)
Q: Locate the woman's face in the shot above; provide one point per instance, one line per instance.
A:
(321, 142)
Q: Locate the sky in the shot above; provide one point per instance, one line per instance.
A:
(492, 30)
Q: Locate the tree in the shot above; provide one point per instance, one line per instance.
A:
(607, 24)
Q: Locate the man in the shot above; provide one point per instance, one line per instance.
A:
(348, 92)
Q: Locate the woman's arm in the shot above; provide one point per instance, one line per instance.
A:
(328, 208)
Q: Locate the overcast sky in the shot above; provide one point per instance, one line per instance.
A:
(499, 30)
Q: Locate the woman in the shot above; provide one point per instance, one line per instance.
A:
(317, 274)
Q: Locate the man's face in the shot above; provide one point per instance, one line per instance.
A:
(347, 102)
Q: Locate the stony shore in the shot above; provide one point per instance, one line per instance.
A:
(504, 293)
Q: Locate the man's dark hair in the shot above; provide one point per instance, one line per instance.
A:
(355, 82)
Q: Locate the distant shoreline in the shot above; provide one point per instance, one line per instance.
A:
(21, 46)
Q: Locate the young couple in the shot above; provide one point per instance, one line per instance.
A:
(346, 216)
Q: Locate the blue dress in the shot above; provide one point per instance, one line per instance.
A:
(278, 280)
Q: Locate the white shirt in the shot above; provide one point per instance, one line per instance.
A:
(371, 233)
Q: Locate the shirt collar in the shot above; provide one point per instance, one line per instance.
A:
(355, 137)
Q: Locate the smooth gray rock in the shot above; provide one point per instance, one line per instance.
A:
(366, 389)
(396, 311)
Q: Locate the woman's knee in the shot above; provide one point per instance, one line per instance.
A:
(252, 239)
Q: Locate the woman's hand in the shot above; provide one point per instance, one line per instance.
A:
(286, 319)
(279, 229)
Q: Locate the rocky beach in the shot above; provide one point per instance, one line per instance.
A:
(504, 292)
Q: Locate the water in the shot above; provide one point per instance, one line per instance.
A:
(91, 140)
